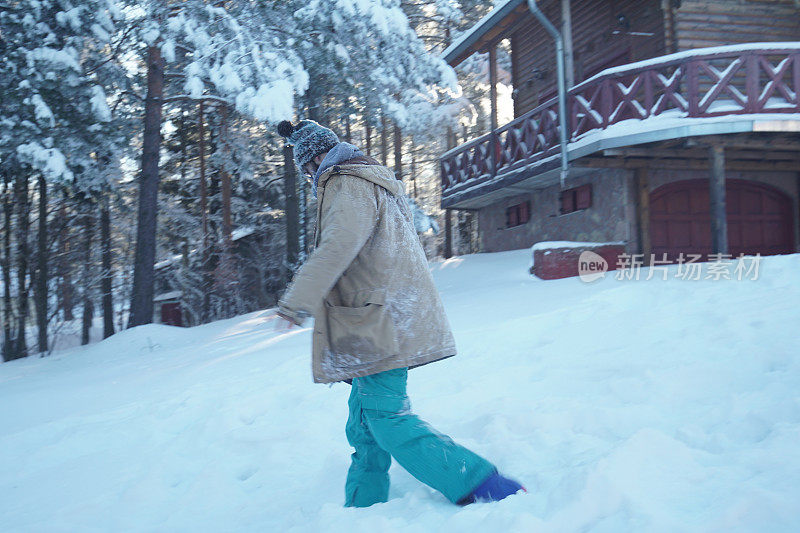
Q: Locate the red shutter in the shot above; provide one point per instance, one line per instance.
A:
(568, 201)
(511, 217)
(583, 197)
(524, 212)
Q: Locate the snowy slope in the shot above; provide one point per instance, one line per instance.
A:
(621, 405)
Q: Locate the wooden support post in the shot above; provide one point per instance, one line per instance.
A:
(493, 97)
(493, 83)
(448, 223)
(643, 213)
(448, 234)
(670, 42)
(719, 219)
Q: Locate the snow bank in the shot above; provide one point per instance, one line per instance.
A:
(616, 414)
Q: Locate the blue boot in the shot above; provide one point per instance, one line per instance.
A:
(495, 488)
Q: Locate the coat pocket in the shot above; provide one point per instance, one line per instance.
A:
(364, 334)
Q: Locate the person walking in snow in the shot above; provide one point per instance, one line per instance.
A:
(376, 314)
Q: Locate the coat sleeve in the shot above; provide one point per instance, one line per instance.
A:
(347, 219)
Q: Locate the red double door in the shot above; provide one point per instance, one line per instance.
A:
(760, 219)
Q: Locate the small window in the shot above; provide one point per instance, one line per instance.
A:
(518, 214)
(576, 199)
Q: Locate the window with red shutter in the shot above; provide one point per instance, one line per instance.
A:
(518, 214)
(567, 201)
(576, 199)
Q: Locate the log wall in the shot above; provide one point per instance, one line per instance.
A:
(699, 24)
(600, 41)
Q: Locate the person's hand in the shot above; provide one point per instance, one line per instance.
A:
(283, 323)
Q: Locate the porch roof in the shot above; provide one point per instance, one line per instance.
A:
(486, 30)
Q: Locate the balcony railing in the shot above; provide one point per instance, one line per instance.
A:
(755, 78)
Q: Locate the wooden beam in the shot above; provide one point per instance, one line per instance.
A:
(755, 141)
(643, 213)
(680, 164)
(448, 234)
(493, 98)
(448, 223)
(702, 153)
(493, 84)
(719, 218)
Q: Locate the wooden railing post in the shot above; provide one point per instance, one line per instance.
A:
(692, 88)
(751, 83)
(796, 79)
(493, 97)
(606, 102)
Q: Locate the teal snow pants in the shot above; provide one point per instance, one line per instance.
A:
(381, 426)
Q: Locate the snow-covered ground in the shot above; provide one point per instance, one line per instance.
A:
(621, 405)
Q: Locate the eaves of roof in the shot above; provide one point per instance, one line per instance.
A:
(463, 47)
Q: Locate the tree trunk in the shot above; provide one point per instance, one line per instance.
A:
(398, 152)
(226, 267)
(314, 100)
(384, 141)
(23, 224)
(143, 272)
(40, 291)
(105, 237)
(368, 136)
(205, 255)
(64, 267)
(8, 312)
(88, 306)
(292, 212)
(414, 167)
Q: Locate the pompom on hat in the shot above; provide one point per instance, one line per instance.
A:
(309, 139)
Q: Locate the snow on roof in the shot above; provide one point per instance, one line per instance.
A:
(471, 36)
(240, 233)
(172, 295)
(167, 262)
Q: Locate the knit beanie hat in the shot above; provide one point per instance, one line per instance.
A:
(308, 138)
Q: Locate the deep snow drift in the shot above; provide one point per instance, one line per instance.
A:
(621, 405)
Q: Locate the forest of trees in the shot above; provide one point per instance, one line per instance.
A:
(138, 152)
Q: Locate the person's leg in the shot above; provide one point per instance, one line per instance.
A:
(428, 455)
(368, 476)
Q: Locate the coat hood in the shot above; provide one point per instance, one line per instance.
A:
(377, 174)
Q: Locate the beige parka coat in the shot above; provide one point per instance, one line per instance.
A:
(367, 282)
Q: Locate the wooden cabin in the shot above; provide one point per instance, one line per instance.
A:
(682, 116)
